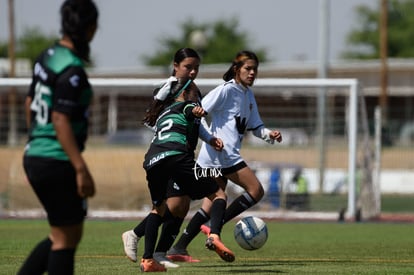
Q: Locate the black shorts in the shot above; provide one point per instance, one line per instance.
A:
(178, 169)
(234, 168)
(54, 182)
(219, 173)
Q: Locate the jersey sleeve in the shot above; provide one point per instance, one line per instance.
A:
(188, 111)
(256, 124)
(31, 91)
(255, 121)
(68, 90)
(204, 131)
(214, 99)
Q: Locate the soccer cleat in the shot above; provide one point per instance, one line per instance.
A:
(213, 242)
(180, 255)
(151, 265)
(162, 259)
(130, 241)
(205, 229)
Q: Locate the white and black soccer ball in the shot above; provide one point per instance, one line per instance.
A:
(250, 233)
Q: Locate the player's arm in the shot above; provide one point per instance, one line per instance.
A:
(206, 136)
(61, 123)
(192, 111)
(212, 102)
(28, 111)
(64, 133)
(259, 130)
(195, 111)
(275, 135)
(267, 135)
(28, 103)
(216, 143)
(66, 107)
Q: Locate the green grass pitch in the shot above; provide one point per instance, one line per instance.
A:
(292, 248)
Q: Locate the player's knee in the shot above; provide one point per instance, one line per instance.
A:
(257, 192)
(179, 210)
(261, 192)
(220, 194)
(179, 206)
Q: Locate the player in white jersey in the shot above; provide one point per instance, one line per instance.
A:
(233, 111)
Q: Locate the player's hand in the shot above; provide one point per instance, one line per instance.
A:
(85, 182)
(198, 111)
(217, 144)
(276, 135)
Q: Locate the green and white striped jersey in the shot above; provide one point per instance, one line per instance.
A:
(59, 83)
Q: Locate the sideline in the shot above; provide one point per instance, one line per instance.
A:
(281, 215)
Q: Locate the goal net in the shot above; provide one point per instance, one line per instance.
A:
(323, 165)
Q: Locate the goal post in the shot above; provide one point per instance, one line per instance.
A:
(352, 84)
(263, 87)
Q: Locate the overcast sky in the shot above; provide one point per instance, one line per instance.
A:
(128, 29)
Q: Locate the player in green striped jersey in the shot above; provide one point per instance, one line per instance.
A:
(175, 116)
(57, 118)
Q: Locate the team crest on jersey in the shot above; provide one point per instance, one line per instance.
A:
(74, 80)
(241, 124)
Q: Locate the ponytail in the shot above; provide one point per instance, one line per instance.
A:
(77, 17)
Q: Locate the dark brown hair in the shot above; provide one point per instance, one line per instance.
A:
(156, 106)
(182, 54)
(77, 17)
(238, 62)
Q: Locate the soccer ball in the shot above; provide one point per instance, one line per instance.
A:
(250, 233)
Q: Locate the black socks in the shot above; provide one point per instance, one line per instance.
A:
(139, 230)
(239, 205)
(217, 213)
(192, 229)
(151, 234)
(37, 261)
(61, 262)
(170, 230)
(55, 262)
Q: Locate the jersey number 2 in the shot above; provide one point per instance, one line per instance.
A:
(166, 125)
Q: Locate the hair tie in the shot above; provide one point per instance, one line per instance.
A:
(183, 88)
(165, 89)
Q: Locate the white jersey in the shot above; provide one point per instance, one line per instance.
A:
(232, 109)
